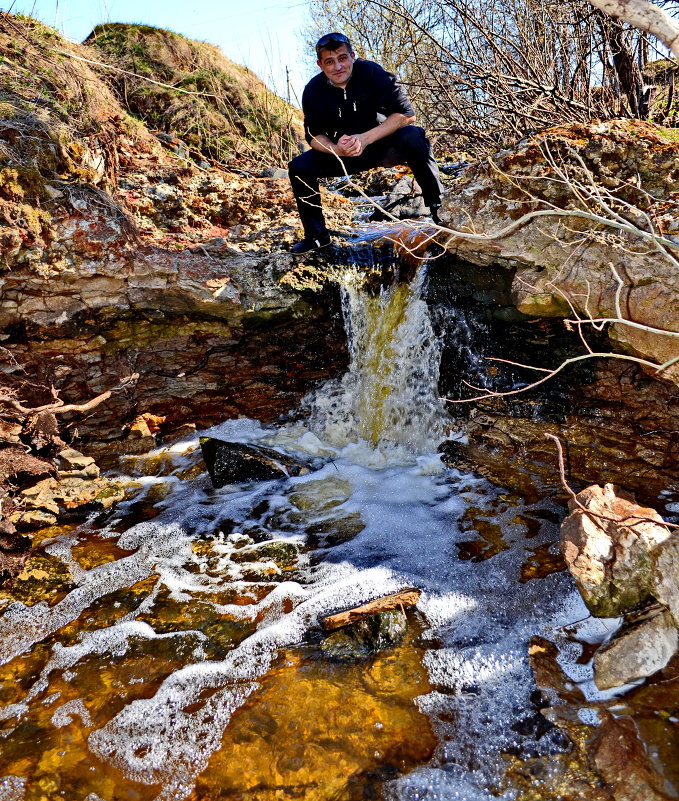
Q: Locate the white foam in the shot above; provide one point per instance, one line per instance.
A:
(588, 716)
(64, 715)
(12, 788)
(436, 784)
(155, 740)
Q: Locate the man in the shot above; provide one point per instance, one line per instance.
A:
(341, 106)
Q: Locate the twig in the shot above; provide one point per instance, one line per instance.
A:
(59, 407)
(595, 517)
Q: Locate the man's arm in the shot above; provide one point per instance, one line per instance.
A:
(389, 126)
(355, 144)
(324, 144)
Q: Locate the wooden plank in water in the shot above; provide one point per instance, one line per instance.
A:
(398, 600)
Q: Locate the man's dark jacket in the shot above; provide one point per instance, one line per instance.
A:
(333, 111)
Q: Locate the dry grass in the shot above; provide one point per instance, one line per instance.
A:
(60, 127)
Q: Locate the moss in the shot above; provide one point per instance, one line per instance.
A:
(36, 221)
(669, 134)
(138, 332)
(22, 183)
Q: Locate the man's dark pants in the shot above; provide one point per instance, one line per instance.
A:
(408, 145)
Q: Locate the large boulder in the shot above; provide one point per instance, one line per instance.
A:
(607, 542)
(665, 565)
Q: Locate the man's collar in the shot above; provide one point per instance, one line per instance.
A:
(335, 86)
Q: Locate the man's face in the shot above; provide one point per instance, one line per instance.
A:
(337, 65)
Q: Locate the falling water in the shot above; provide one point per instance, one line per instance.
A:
(388, 398)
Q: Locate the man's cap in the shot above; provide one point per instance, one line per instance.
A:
(331, 41)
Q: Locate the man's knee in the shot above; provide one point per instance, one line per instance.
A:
(300, 165)
(411, 137)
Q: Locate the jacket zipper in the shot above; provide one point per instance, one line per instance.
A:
(339, 108)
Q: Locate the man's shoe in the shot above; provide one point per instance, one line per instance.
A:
(309, 245)
(434, 213)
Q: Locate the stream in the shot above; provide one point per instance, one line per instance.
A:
(173, 650)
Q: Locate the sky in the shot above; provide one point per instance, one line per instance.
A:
(264, 35)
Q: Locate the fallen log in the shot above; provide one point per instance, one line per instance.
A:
(398, 600)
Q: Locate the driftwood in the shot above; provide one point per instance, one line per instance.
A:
(398, 600)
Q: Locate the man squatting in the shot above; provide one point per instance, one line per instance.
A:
(354, 110)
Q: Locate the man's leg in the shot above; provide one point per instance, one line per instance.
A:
(410, 145)
(304, 172)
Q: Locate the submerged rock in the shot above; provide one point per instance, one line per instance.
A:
(636, 653)
(234, 462)
(607, 545)
(369, 635)
(625, 763)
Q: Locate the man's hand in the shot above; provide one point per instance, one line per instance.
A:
(350, 145)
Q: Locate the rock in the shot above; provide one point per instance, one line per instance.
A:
(42, 496)
(14, 549)
(636, 653)
(174, 145)
(609, 552)
(665, 578)
(284, 554)
(403, 200)
(624, 762)
(234, 462)
(273, 172)
(397, 600)
(70, 459)
(48, 500)
(146, 425)
(33, 519)
(370, 634)
(72, 464)
(632, 159)
(9, 432)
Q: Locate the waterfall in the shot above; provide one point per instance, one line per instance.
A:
(388, 398)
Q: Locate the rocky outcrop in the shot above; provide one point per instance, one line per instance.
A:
(76, 490)
(616, 425)
(566, 257)
(122, 257)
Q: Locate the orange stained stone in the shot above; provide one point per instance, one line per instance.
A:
(318, 730)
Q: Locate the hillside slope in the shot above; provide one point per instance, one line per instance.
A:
(220, 109)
